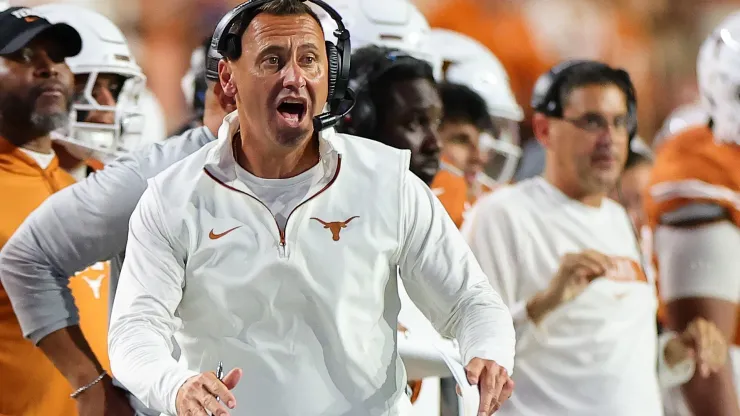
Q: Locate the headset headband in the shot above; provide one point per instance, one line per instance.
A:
(363, 118)
(392, 59)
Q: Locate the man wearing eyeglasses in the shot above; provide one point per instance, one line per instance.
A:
(566, 261)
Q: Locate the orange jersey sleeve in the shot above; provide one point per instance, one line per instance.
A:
(452, 191)
(692, 168)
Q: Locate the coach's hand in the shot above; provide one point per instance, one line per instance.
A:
(493, 382)
(701, 341)
(198, 394)
(104, 399)
(575, 273)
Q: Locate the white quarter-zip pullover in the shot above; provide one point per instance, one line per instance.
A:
(309, 312)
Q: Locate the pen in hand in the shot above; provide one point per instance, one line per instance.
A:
(220, 374)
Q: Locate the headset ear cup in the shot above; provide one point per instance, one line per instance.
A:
(334, 61)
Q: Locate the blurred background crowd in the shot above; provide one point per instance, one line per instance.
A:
(656, 41)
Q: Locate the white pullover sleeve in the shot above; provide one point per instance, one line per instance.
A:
(143, 317)
(446, 283)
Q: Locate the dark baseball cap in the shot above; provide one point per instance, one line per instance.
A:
(20, 25)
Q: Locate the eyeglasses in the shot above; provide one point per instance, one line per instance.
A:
(598, 123)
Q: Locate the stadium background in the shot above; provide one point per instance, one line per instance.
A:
(655, 40)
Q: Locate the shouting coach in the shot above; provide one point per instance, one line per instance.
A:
(275, 249)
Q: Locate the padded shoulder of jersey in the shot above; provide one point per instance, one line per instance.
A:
(694, 179)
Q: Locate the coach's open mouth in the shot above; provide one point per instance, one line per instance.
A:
(292, 110)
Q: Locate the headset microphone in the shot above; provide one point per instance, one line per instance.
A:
(325, 120)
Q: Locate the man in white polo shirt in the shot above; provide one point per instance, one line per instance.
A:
(275, 250)
(566, 261)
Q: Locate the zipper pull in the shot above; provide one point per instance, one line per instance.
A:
(282, 248)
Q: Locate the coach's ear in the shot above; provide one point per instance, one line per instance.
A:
(541, 129)
(226, 79)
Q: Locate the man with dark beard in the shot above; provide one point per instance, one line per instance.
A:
(35, 95)
(82, 225)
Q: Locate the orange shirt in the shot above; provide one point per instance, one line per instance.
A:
(30, 385)
(692, 167)
(452, 190)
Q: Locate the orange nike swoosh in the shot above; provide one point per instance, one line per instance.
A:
(214, 236)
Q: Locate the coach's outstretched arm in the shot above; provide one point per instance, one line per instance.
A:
(143, 317)
(444, 280)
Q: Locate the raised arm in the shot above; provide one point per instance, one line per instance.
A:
(445, 281)
(143, 318)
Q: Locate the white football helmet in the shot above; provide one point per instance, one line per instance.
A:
(719, 79)
(468, 62)
(104, 51)
(681, 118)
(396, 24)
(195, 72)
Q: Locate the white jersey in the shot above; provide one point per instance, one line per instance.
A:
(595, 355)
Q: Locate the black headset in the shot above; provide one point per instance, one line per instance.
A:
(212, 58)
(546, 94)
(363, 118)
(227, 42)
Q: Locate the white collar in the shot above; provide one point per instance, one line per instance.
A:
(221, 163)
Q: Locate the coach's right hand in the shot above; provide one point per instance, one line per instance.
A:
(575, 273)
(198, 394)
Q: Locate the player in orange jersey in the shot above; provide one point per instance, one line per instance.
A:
(693, 205)
(491, 158)
(465, 119)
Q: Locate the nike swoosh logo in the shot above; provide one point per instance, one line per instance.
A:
(214, 236)
(438, 191)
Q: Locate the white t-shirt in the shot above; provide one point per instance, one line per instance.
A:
(281, 196)
(595, 355)
(41, 159)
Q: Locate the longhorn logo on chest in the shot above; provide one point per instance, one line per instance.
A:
(336, 226)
